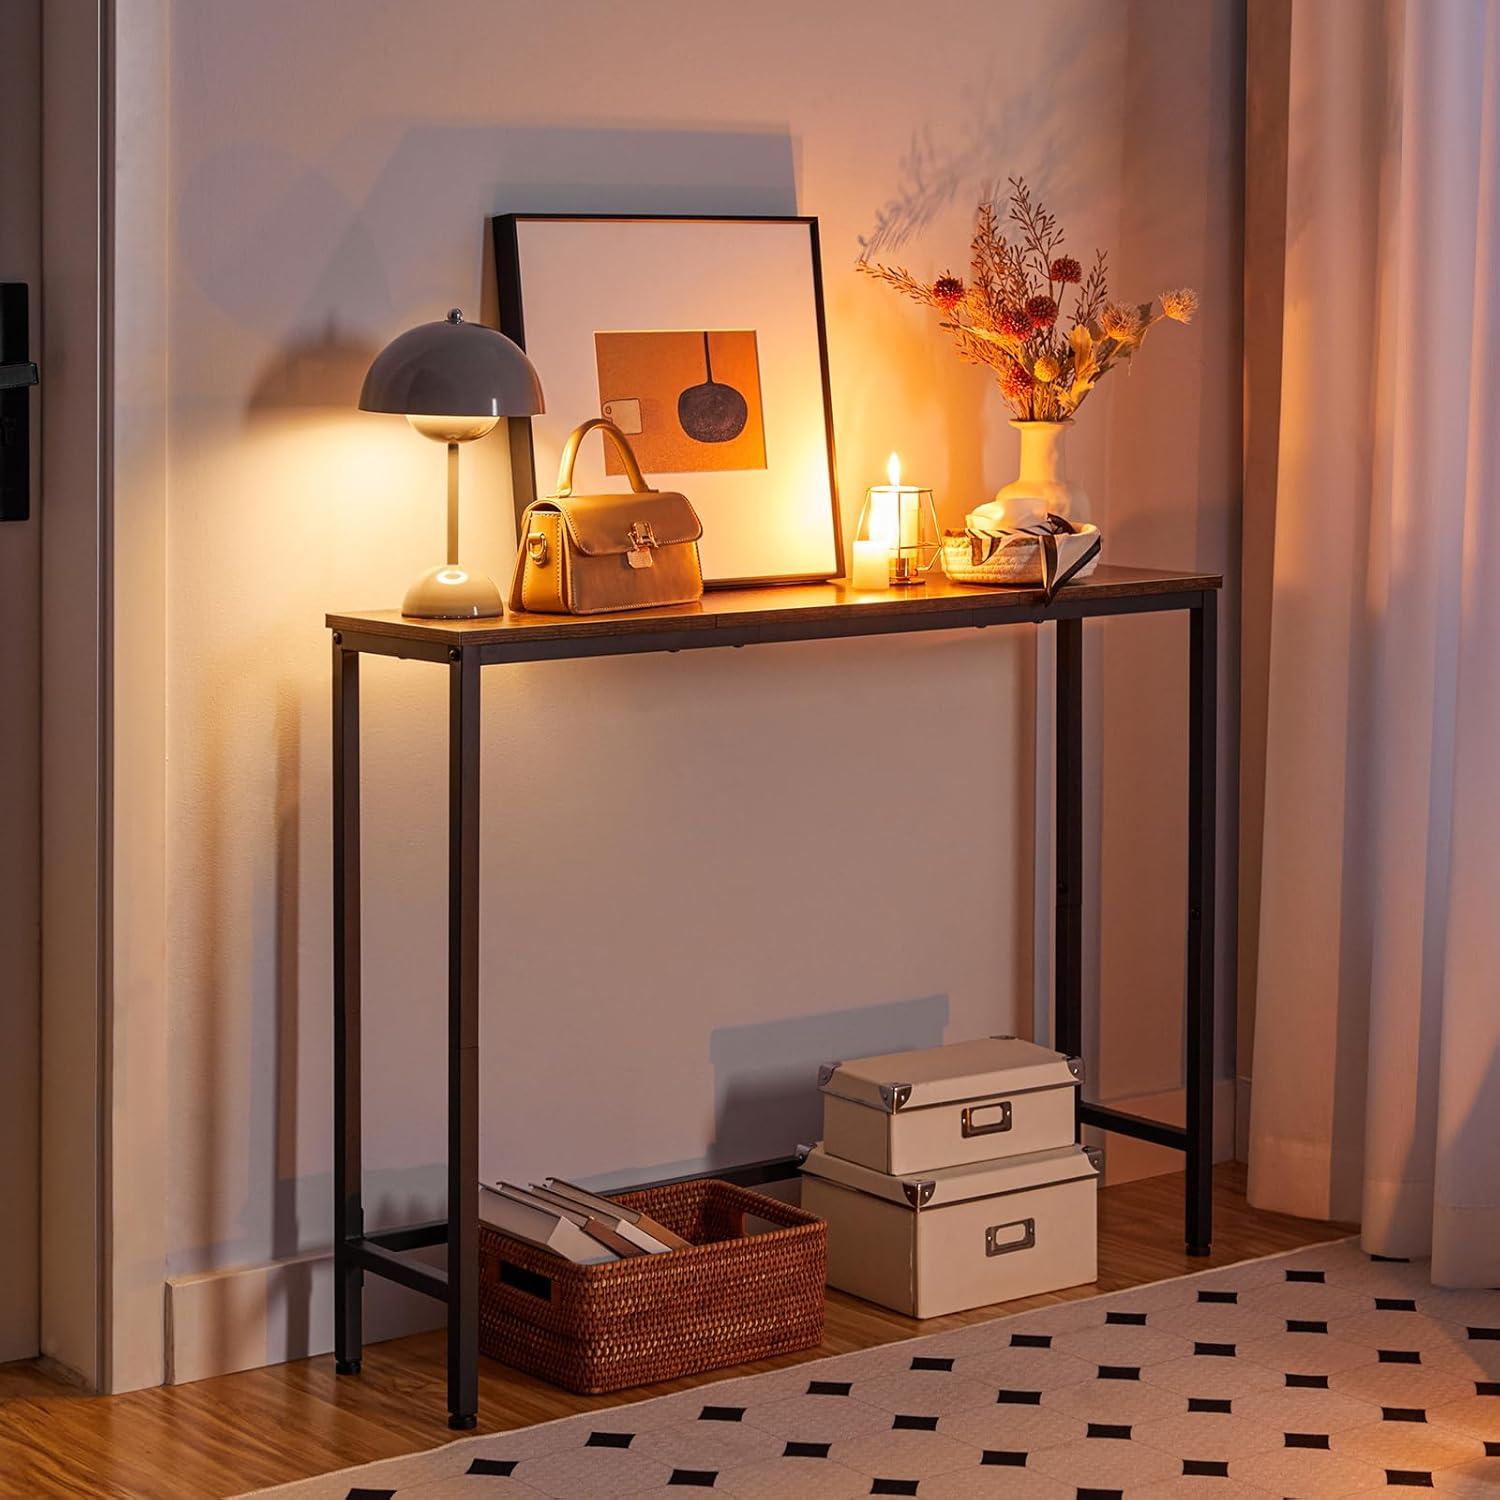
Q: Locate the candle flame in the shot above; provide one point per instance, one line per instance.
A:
(893, 469)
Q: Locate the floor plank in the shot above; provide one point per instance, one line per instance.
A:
(237, 1432)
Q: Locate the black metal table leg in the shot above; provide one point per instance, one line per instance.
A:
(1203, 706)
(1068, 937)
(348, 1205)
(463, 1038)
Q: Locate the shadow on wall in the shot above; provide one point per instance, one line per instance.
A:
(766, 1099)
(330, 307)
(1003, 110)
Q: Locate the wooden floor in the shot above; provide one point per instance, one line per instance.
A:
(238, 1432)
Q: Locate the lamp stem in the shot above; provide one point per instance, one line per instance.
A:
(452, 505)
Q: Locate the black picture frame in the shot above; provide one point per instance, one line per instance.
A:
(512, 320)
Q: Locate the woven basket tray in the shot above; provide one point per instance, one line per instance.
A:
(1019, 561)
(727, 1299)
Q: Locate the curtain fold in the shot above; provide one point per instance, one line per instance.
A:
(1376, 1065)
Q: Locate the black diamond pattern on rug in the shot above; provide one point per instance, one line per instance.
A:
(1319, 1373)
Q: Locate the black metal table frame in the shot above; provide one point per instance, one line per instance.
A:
(381, 1252)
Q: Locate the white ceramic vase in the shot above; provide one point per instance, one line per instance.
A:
(1042, 488)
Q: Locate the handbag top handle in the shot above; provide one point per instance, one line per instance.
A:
(622, 447)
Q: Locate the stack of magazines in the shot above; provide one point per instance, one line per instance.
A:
(567, 1221)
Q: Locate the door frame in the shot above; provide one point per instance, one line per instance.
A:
(103, 510)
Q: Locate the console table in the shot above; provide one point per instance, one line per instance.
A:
(746, 617)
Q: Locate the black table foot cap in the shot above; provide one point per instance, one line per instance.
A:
(462, 1421)
(1199, 1249)
(348, 1366)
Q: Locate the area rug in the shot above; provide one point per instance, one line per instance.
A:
(1320, 1373)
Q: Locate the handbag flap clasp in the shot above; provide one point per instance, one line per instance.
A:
(622, 523)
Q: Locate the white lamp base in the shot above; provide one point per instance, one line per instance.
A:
(450, 592)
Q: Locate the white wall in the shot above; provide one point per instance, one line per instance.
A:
(692, 885)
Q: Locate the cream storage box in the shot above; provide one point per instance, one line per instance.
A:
(945, 1106)
(958, 1237)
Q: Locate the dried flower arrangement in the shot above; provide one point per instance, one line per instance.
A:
(1009, 313)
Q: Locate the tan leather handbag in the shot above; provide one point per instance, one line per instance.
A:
(591, 554)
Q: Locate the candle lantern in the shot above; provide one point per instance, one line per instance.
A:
(897, 539)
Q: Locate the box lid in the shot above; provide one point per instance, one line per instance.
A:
(945, 1075)
(981, 1179)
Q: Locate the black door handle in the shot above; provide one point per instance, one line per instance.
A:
(17, 376)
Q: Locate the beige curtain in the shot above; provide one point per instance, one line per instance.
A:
(1376, 1061)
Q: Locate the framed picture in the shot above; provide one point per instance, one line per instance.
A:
(703, 340)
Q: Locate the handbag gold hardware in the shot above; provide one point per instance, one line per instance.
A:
(641, 543)
(593, 554)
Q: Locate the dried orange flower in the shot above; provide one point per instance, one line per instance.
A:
(1119, 320)
(947, 291)
(1014, 320)
(1066, 270)
(1042, 311)
(1180, 305)
(1046, 369)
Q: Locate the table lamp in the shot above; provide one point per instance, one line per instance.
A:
(452, 381)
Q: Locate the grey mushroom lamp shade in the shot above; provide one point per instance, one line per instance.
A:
(452, 369)
(453, 381)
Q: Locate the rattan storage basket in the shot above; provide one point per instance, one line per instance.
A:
(729, 1298)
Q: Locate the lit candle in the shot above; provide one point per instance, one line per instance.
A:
(901, 502)
(872, 566)
(872, 553)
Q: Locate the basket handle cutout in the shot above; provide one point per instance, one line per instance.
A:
(523, 1280)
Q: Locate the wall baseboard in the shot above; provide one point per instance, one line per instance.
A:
(1242, 1119)
(1128, 1160)
(218, 1322)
